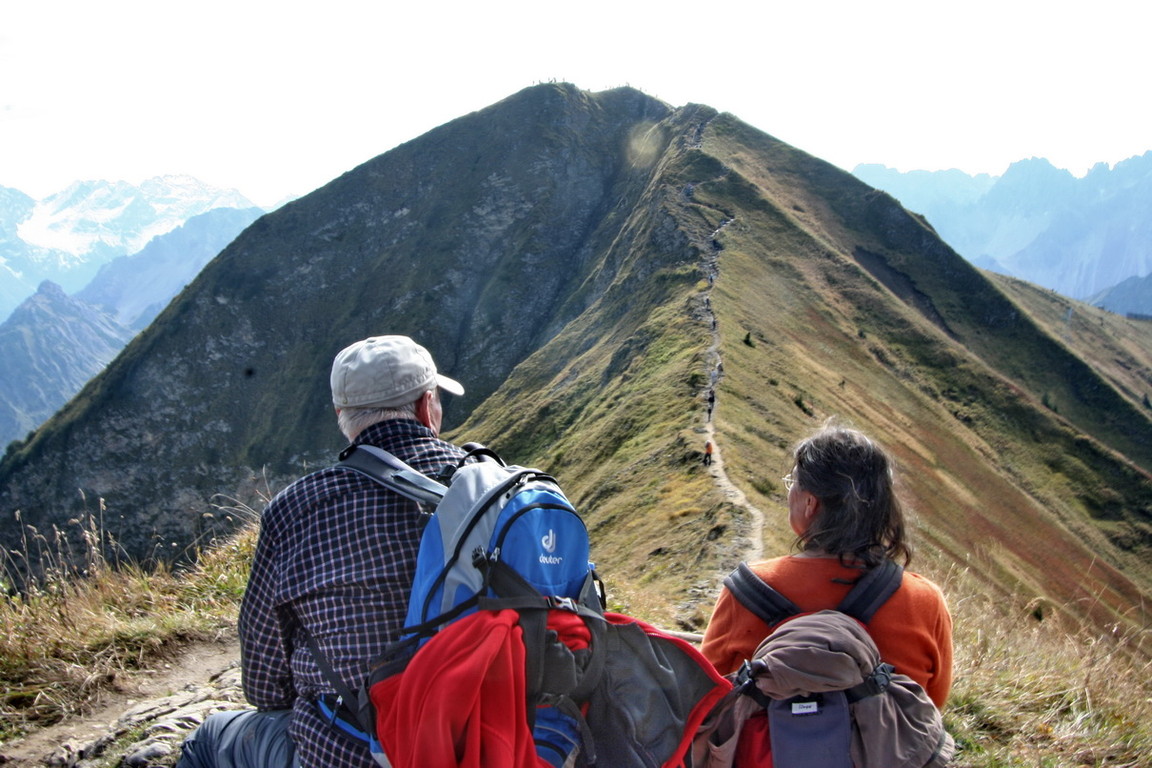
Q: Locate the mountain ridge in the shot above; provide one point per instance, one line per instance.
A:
(52, 344)
(1132, 297)
(135, 287)
(559, 252)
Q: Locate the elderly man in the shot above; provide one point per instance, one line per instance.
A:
(334, 562)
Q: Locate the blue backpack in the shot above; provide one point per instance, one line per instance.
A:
(497, 536)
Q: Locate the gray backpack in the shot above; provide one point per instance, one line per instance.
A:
(831, 702)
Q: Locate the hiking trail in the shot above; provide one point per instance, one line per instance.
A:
(754, 550)
(151, 710)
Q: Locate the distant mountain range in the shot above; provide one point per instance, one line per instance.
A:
(122, 251)
(581, 262)
(134, 288)
(1077, 236)
(68, 236)
(50, 347)
(1132, 297)
(54, 343)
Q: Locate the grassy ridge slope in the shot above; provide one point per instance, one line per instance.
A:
(825, 308)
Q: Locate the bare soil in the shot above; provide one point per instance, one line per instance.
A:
(189, 664)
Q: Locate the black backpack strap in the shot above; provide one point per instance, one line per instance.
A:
(861, 603)
(543, 670)
(392, 473)
(480, 453)
(346, 705)
(872, 590)
(759, 596)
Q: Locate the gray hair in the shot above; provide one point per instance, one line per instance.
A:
(353, 421)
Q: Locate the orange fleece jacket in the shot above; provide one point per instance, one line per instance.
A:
(913, 630)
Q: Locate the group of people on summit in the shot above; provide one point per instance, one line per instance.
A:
(336, 553)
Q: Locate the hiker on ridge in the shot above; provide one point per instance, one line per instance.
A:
(847, 519)
(334, 561)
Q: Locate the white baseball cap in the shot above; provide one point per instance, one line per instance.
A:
(385, 372)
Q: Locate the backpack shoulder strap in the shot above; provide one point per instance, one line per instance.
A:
(759, 596)
(872, 590)
(861, 603)
(392, 473)
(347, 709)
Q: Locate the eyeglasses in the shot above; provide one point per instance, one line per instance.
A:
(789, 482)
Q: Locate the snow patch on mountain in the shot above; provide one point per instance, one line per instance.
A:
(118, 215)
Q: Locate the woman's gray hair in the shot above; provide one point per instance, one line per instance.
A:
(353, 421)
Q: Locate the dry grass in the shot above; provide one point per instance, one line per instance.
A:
(1033, 687)
(1036, 688)
(80, 628)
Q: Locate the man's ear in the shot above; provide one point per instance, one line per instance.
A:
(424, 408)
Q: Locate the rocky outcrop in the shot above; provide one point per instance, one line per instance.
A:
(150, 733)
(145, 729)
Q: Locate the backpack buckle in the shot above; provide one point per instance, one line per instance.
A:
(744, 675)
(873, 685)
(563, 603)
(745, 683)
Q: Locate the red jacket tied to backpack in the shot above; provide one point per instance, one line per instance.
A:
(508, 659)
(461, 702)
(461, 699)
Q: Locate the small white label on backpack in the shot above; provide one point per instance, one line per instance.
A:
(549, 541)
(805, 707)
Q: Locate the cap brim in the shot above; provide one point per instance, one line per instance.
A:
(449, 385)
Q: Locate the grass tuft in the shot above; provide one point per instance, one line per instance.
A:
(1045, 691)
(78, 630)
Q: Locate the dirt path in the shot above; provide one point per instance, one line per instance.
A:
(755, 545)
(63, 744)
(755, 548)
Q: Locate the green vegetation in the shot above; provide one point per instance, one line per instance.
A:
(615, 423)
(564, 279)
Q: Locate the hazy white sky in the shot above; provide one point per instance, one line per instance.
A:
(275, 98)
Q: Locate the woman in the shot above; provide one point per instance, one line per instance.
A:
(847, 519)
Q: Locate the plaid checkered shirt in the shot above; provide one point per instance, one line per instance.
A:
(335, 557)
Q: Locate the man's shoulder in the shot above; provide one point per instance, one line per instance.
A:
(318, 485)
(427, 455)
(408, 441)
